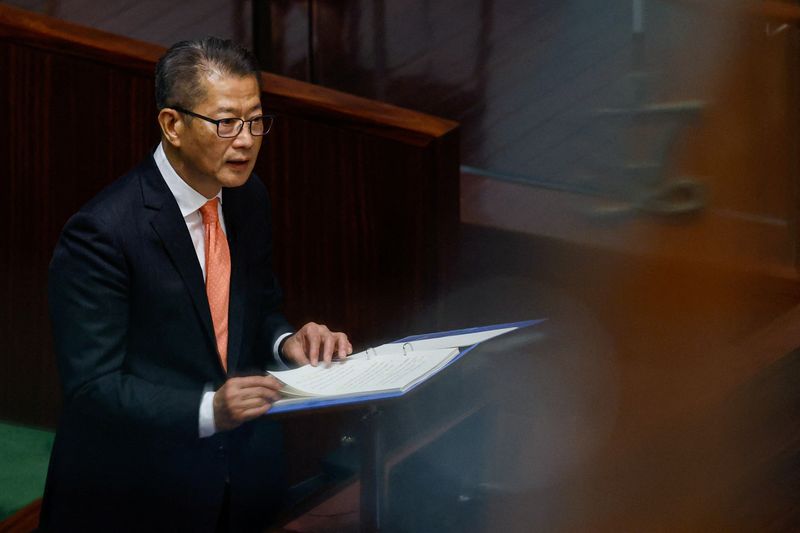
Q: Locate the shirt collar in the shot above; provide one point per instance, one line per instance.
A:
(189, 200)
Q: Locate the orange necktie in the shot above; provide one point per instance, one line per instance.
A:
(218, 276)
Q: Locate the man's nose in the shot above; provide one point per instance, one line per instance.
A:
(245, 139)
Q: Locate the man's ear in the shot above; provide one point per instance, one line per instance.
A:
(171, 124)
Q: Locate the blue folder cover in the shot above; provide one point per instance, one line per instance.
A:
(318, 403)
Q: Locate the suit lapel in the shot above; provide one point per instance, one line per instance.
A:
(231, 210)
(170, 227)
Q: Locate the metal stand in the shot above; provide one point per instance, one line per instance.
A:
(373, 485)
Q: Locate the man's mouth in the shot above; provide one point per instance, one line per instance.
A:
(238, 162)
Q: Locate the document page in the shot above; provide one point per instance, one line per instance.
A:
(355, 376)
(448, 341)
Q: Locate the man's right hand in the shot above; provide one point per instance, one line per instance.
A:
(243, 399)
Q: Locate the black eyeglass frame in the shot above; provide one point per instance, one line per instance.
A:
(217, 121)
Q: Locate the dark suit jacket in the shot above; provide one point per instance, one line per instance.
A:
(135, 347)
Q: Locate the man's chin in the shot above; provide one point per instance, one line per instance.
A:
(231, 179)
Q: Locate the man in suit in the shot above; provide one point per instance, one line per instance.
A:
(165, 313)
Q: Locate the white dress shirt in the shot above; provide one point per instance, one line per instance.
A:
(189, 202)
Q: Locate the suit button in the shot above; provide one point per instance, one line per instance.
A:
(221, 452)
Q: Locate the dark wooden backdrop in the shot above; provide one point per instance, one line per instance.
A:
(365, 195)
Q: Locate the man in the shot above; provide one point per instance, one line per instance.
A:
(165, 314)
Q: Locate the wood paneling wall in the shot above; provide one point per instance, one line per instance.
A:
(365, 195)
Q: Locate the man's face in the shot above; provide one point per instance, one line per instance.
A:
(208, 161)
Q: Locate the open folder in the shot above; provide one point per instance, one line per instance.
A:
(385, 371)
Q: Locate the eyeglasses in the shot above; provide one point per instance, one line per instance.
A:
(232, 127)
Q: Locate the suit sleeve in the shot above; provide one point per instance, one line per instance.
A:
(89, 300)
(274, 323)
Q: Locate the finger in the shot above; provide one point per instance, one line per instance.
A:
(274, 397)
(330, 344)
(341, 342)
(257, 392)
(270, 394)
(265, 382)
(250, 403)
(242, 410)
(313, 347)
(273, 383)
(250, 414)
(267, 396)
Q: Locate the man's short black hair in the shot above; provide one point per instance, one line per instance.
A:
(179, 71)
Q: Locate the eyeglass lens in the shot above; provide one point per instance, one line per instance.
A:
(230, 127)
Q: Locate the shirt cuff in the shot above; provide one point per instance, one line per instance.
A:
(276, 351)
(207, 427)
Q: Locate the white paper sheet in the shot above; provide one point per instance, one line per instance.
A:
(449, 341)
(356, 376)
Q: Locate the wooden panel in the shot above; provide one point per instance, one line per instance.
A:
(357, 212)
(364, 193)
(71, 126)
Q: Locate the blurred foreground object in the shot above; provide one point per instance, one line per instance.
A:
(677, 239)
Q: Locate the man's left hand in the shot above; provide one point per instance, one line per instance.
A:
(314, 343)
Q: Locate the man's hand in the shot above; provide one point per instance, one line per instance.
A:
(314, 343)
(243, 399)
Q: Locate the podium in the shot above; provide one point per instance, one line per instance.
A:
(372, 430)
